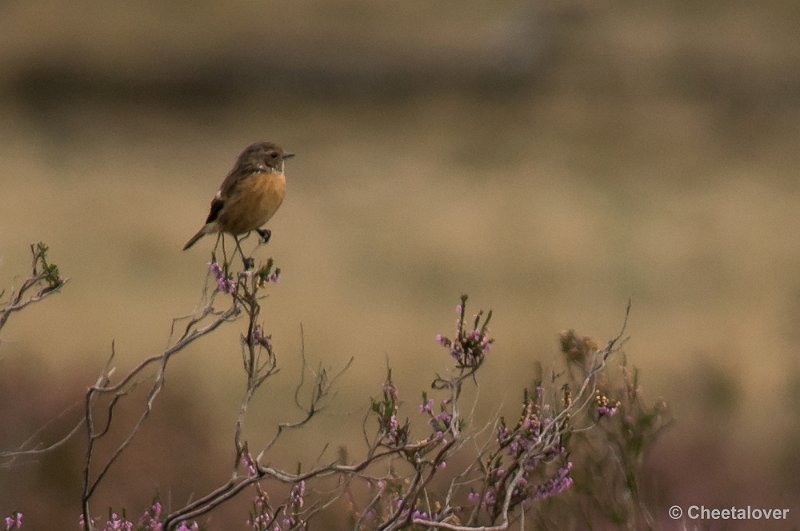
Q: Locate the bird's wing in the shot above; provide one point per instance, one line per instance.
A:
(216, 206)
(230, 182)
(228, 185)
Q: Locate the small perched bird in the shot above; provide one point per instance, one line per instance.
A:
(249, 195)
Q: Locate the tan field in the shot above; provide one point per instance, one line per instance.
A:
(552, 163)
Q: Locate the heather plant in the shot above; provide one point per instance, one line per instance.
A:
(570, 457)
(43, 281)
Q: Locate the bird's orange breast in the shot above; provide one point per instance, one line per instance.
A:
(252, 202)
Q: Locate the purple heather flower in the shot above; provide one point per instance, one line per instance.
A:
(14, 521)
(427, 406)
(150, 519)
(224, 284)
(605, 411)
(393, 425)
(249, 465)
(390, 390)
(605, 406)
(502, 433)
(445, 418)
(296, 502)
(258, 337)
(118, 524)
(297, 493)
(489, 498)
(473, 497)
(558, 484)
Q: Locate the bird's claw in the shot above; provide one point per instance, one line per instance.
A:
(264, 234)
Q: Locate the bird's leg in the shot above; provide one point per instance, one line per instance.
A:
(221, 237)
(216, 245)
(247, 261)
(264, 234)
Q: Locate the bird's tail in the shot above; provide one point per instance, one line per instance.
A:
(202, 232)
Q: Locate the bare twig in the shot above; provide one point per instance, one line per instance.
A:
(122, 389)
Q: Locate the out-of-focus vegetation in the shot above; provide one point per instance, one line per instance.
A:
(552, 161)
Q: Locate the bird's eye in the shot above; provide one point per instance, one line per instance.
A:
(273, 155)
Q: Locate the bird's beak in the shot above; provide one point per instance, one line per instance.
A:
(288, 155)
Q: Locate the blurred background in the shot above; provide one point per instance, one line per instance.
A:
(553, 160)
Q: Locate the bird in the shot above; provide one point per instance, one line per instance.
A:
(250, 194)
